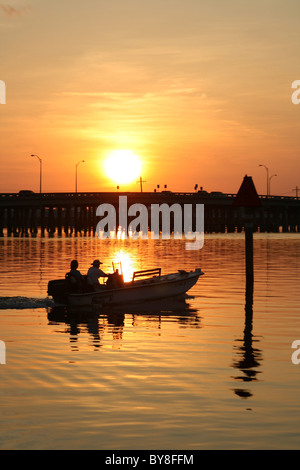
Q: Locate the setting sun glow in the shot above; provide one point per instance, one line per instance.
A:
(122, 166)
(126, 264)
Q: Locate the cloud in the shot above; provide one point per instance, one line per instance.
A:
(121, 96)
(11, 11)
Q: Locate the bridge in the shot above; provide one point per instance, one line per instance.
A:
(27, 213)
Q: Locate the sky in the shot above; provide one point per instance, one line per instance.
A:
(199, 90)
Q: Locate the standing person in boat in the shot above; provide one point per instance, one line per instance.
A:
(94, 273)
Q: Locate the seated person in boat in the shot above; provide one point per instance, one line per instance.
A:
(74, 277)
(94, 273)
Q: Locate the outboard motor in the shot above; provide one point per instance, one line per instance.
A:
(57, 289)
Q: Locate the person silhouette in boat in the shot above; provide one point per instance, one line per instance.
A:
(74, 277)
(94, 273)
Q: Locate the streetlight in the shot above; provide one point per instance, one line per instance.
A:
(40, 160)
(270, 183)
(267, 178)
(81, 161)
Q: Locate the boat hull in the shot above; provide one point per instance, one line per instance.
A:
(162, 287)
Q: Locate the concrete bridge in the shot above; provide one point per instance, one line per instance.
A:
(27, 213)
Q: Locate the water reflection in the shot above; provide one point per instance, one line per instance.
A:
(96, 322)
(248, 358)
(75, 324)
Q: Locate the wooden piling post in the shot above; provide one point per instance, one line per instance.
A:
(247, 199)
(248, 227)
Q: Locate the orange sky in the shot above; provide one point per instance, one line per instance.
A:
(200, 90)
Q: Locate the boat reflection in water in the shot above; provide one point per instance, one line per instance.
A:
(96, 320)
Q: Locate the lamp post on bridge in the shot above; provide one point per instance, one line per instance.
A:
(81, 161)
(268, 181)
(40, 160)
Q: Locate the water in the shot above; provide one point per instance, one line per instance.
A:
(182, 376)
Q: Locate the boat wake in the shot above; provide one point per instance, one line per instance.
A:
(19, 303)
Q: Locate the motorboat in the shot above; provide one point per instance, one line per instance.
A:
(145, 285)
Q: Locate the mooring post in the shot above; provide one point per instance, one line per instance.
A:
(247, 199)
(248, 226)
(249, 268)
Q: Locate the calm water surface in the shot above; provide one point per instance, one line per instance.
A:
(193, 375)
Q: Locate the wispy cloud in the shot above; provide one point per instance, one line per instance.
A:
(121, 96)
(11, 11)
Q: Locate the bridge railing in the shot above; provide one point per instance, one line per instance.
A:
(204, 194)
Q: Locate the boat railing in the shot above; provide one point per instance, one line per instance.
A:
(147, 272)
(117, 266)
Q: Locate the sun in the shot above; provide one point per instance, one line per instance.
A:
(125, 264)
(122, 166)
